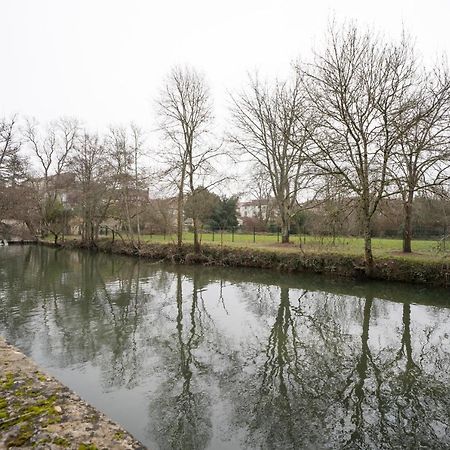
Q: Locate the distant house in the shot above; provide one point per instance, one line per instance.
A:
(262, 209)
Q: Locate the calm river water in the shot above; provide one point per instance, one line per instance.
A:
(196, 358)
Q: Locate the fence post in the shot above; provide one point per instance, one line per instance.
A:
(254, 234)
(232, 234)
(213, 235)
(278, 234)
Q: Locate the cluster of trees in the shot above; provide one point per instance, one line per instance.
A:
(101, 176)
(362, 121)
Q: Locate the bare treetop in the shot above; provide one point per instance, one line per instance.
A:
(184, 106)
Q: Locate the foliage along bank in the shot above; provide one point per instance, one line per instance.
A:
(388, 269)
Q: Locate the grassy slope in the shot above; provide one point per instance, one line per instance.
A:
(423, 250)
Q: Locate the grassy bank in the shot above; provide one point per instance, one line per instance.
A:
(432, 271)
(424, 250)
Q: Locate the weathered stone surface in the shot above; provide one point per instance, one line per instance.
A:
(37, 411)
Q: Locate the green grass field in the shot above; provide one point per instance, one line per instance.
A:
(382, 247)
(423, 250)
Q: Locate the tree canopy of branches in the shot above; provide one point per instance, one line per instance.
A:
(53, 150)
(97, 185)
(421, 159)
(11, 163)
(268, 129)
(201, 204)
(125, 148)
(185, 113)
(355, 88)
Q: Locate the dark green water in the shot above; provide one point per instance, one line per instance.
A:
(194, 358)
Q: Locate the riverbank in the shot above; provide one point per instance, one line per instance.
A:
(37, 411)
(350, 266)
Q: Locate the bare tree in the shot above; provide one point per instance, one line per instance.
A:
(137, 143)
(125, 148)
(185, 114)
(268, 130)
(53, 151)
(96, 184)
(13, 174)
(9, 146)
(421, 160)
(355, 89)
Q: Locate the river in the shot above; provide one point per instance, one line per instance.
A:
(188, 357)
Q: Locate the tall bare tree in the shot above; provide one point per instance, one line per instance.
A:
(52, 149)
(355, 89)
(125, 148)
(97, 185)
(137, 146)
(268, 129)
(14, 168)
(185, 114)
(421, 160)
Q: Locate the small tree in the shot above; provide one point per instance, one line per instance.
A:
(224, 216)
(201, 204)
(96, 184)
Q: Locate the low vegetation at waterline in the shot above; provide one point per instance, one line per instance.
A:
(437, 250)
(287, 257)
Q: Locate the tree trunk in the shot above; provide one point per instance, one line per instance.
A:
(196, 240)
(407, 227)
(180, 218)
(127, 212)
(285, 233)
(138, 228)
(368, 256)
(285, 225)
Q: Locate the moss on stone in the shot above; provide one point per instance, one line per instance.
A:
(8, 381)
(62, 442)
(119, 435)
(22, 437)
(87, 447)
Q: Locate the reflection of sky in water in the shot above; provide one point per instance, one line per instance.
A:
(218, 358)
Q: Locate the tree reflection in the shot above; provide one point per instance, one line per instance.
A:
(315, 388)
(182, 405)
(282, 399)
(266, 364)
(413, 394)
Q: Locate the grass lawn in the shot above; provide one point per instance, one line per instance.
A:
(429, 250)
(423, 250)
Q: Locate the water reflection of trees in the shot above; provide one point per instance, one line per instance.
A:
(313, 369)
(317, 387)
(81, 308)
(283, 399)
(181, 407)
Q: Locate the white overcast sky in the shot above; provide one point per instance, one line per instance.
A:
(104, 61)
